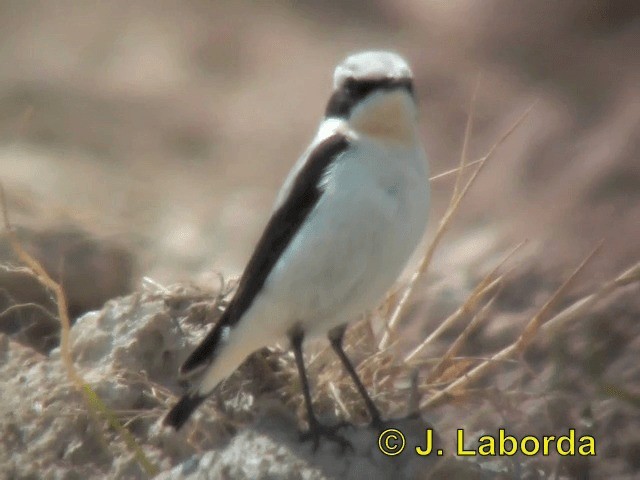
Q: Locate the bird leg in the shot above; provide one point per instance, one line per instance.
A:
(316, 429)
(335, 337)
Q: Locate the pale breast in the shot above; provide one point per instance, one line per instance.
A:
(355, 244)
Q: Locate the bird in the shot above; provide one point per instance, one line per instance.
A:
(348, 218)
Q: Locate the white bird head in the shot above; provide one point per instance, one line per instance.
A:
(372, 66)
(373, 92)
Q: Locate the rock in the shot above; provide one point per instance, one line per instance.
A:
(129, 353)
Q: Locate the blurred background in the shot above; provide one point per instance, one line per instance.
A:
(149, 138)
(167, 127)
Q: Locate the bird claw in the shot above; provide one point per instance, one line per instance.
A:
(377, 424)
(330, 432)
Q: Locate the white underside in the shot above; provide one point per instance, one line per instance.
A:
(349, 252)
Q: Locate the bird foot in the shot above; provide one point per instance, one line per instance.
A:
(377, 424)
(330, 432)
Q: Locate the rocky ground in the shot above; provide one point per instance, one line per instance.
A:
(146, 141)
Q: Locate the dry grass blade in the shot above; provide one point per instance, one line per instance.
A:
(534, 324)
(456, 346)
(446, 173)
(93, 400)
(451, 371)
(627, 396)
(24, 306)
(335, 393)
(515, 348)
(577, 309)
(477, 296)
(486, 286)
(461, 167)
(456, 199)
(467, 135)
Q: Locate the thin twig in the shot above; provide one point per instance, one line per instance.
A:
(446, 173)
(456, 346)
(628, 277)
(486, 286)
(31, 305)
(523, 341)
(93, 400)
(442, 227)
(467, 135)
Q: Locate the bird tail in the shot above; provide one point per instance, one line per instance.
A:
(218, 366)
(181, 412)
(205, 353)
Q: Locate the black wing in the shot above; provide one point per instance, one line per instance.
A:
(279, 232)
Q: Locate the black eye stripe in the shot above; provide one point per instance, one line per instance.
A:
(362, 88)
(353, 91)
